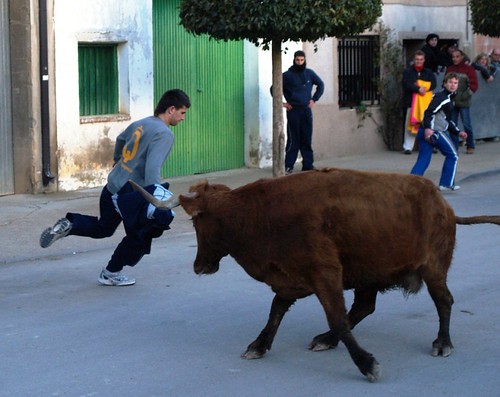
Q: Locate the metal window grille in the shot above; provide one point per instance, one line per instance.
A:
(358, 70)
(98, 79)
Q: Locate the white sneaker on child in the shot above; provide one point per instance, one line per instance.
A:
(448, 188)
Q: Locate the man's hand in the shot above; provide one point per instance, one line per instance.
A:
(427, 133)
(287, 106)
(462, 134)
(422, 90)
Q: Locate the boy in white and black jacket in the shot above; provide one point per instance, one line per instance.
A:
(435, 132)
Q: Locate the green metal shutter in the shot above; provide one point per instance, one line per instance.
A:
(98, 79)
(211, 73)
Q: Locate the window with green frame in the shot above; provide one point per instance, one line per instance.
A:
(98, 79)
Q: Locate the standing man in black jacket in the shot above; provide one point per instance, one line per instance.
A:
(415, 72)
(431, 52)
(298, 82)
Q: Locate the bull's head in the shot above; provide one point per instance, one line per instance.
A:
(199, 204)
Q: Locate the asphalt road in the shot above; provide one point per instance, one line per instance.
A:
(177, 334)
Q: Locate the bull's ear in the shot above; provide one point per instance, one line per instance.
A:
(191, 203)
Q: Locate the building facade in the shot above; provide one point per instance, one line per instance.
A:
(58, 137)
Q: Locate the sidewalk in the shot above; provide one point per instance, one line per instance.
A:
(23, 217)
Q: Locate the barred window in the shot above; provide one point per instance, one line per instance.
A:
(98, 79)
(358, 70)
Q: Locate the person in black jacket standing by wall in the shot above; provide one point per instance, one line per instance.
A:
(298, 82)
(431, 52)
(411, 75)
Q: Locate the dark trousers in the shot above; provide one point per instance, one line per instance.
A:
(130, 250)
(299, 137)
(464, 114)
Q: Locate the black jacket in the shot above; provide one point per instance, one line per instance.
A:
(437, 117)
(431, 57)
(410, 76)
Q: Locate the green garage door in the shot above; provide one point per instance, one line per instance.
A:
(211, 73)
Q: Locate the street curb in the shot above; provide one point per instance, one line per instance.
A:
(481, 174)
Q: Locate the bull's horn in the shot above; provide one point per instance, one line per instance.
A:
(172, 202)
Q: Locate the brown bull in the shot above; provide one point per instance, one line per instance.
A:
(321, 232)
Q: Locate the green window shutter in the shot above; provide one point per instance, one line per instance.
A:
(98, 79)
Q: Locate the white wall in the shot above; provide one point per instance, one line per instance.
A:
(81, 148)
(416, 22)
(259, 102)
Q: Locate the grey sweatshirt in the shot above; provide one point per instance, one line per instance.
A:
(139, 154)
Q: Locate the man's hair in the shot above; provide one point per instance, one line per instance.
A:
(449, 76)
(176, 98)
(460, 51)
(419, 52)
(299, 53)
(482, 55)
(431, 36)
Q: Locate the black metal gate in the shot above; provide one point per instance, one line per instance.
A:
(358, 70)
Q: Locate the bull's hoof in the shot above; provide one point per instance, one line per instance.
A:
(323, 342)
(367, 364)
(374, 373)
(252, 354)
(441, 348)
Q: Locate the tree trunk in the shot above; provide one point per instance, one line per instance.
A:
(278, 131)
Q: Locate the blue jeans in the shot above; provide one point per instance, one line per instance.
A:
(299, 137)
(464, 114)
(447, 148)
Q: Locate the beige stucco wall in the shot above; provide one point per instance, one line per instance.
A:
(416, 20)
(337, 131)
(25, 71)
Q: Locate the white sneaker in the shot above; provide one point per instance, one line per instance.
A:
(448, 188)
(54, 233)
(116, 279)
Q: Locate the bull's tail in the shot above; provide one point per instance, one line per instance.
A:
(474, 220)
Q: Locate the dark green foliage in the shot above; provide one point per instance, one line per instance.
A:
(485, 17)
(262, 21)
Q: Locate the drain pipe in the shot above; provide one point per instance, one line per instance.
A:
(47, 176)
